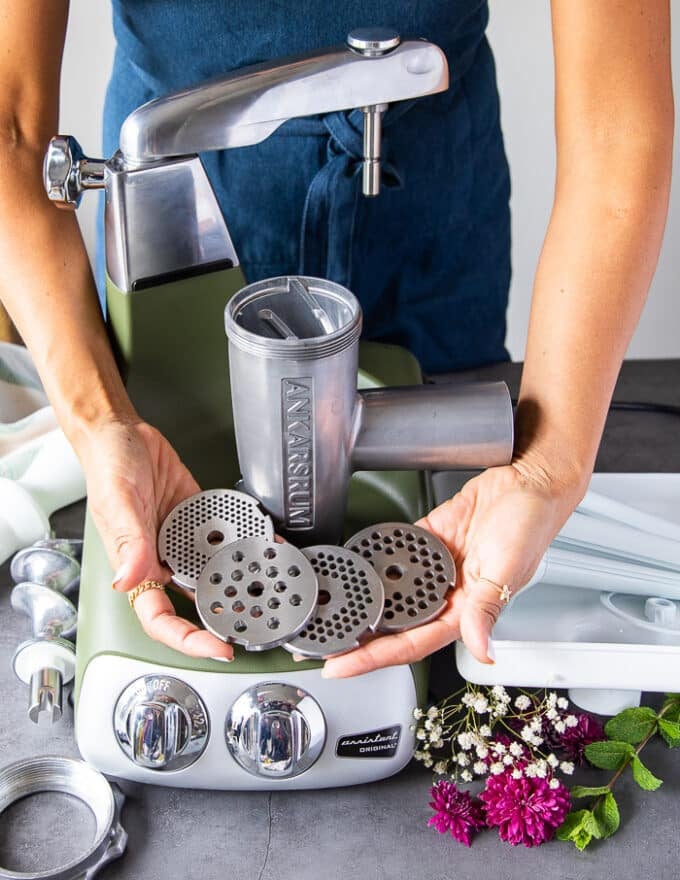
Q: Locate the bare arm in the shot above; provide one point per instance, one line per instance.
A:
(133, 475)
(614, 124)
(614, 127)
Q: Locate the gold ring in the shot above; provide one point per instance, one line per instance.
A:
(504, 592)
(133, 595)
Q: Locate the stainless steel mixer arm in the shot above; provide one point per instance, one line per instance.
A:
(246, 106)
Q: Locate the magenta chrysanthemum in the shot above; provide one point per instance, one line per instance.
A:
(526, 810)
(575, 739)
(455, 811)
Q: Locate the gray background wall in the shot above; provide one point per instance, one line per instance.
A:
(520, 35)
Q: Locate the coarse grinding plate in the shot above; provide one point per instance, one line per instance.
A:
(415, 567)
(351, 602)
(204, 524)
(257, 593)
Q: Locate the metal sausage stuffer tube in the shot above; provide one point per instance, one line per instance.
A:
(301, 426)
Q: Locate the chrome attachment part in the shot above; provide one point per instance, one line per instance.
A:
(161, 723)
(257, 593)
(46, 666)
(275, 730)
(35, 776)
(415, 567)
(204, 524)
(351, 603)
(372, 42)
(67, 172)
(47, 564)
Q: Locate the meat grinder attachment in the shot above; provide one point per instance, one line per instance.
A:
(301, 426)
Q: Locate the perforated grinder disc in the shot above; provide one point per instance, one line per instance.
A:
(416, 570)
(257, 593)
(351, 601)
(204, 524)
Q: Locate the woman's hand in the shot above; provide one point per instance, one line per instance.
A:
(134, 479)
(498, 526)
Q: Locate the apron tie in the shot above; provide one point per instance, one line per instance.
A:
(329, 213)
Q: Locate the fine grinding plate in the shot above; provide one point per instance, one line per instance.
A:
(257, 593)
(202, 525)
(415, 567)
(351, 601)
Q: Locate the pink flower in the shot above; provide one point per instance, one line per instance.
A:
(575, 739)
(455, 811)
(526, 810)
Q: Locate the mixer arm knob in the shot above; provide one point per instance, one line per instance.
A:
(67, 172)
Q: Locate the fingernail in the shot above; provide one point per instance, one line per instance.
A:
(223, 659)
(120, 574)
(491, 651)
(327, 673)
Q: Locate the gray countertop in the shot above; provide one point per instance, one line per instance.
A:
(371, 831)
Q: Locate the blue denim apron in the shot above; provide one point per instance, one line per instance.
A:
(429, 258)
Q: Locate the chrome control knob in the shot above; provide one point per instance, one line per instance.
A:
(67, 172)
(161, 723)
(275, 730)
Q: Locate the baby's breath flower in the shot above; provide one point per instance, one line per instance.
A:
(440, 767)
(498, 748)
(485, 730)
(560, 726)
(516, 749)
(421, 734)
(508, 760)
(553, 760)
(551, 714)
(567, 768)
(554, 783)
(417, 713)
(499, 692)
(482, 752)
(526, 733)
(436, 732)
(480, 768)
(517, 773)
(481, 705)
(551, 699)
(433, 712)
(571, 721)
(541, 769)
(496, 768)
(530, 771)
(522, 702)
(429, 724)
(563, 703)
(465, 740)
(463, 760)
(427, 761)
(536, 724)
(468, 698)
(439, 744)
(466, 776)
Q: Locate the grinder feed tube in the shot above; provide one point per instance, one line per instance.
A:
(302, 427)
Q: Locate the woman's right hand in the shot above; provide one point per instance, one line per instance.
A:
(134, 479)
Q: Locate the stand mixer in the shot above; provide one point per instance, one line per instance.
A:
(143, 711)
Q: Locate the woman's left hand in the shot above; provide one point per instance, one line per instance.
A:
(498, 527)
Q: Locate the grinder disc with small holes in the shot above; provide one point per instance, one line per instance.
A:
(416, 570)
(257, 593)
(204, 524)
(351, 600)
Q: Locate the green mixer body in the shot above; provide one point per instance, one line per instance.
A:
(171, 348)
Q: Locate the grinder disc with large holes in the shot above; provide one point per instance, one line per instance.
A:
(351, 601)
(257, 593)
(415, 567)
(204, 524)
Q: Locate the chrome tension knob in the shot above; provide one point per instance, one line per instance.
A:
(161, 723)
(372, 42)
(275, 730)
(67, 172)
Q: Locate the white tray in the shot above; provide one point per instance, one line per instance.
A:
(561, 637)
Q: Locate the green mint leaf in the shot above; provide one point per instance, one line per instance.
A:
(644, 778)
(573, 829)
(671, 707)
(609, 754)
(606, 813)
(582, 791)
(592, 826)
(670, 731)
(631, 725)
